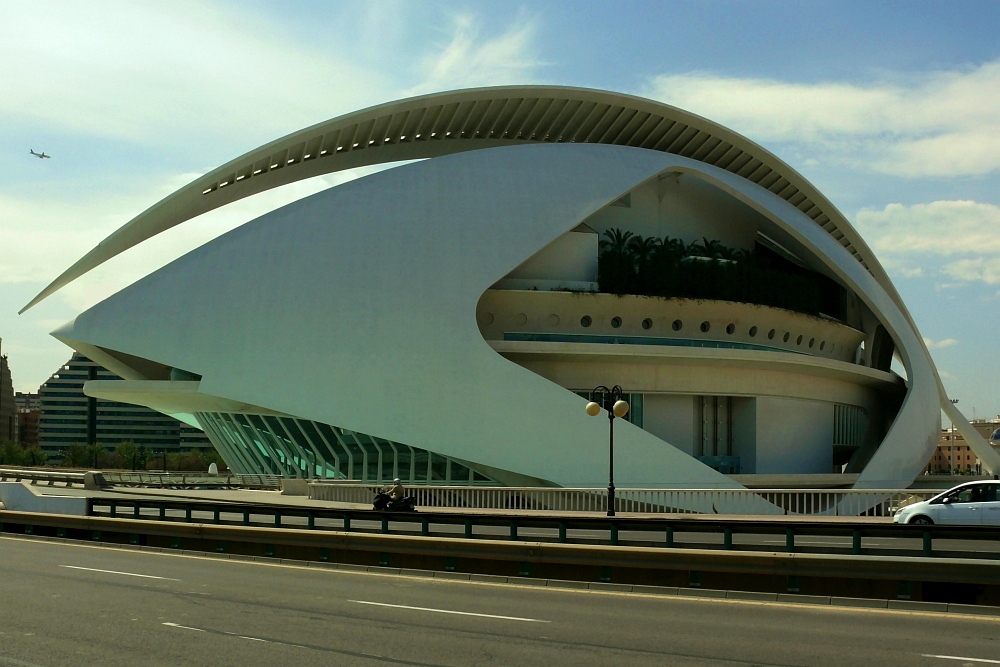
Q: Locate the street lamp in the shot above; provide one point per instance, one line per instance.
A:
(610, 400)
(951, 448)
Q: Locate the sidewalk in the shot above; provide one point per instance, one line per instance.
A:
(258, 497)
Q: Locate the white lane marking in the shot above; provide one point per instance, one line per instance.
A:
(236, 634)
(450, 611)
(956, 657)
(127, 574)
(183, 627)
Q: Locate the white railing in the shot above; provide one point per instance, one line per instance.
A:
(190, 479)
(820, 502)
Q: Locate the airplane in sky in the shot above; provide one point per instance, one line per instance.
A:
(39, 155)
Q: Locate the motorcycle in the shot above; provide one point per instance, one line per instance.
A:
(383, 503)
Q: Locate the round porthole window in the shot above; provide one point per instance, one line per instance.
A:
(647, 323)
(798, 341)
(616, 322)
(705, 326)
(812, 341)
(585, 321)
(676, 326)
(730, 329)
(770, 334)
(753, 331)
(786, 336)
(822, 344)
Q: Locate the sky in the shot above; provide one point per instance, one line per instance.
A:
(891, 109)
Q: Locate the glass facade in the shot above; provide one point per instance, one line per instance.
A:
(255, 444)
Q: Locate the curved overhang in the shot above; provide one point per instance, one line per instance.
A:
(538, 193)
(443, 123)
(451, 122)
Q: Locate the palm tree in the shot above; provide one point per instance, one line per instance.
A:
(615, 269)
(744, 256)
(712, 249)
(672, 249)
(617, 241)
(642, 251)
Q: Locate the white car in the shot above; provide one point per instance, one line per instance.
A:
(969, 504)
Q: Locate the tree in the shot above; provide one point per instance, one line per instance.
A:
(215, 457)
(127, 455)
(96, 454)
(642, 251)
(10, 454)
(629, 264)
(75, 456)
(615, 268)
(34, 456)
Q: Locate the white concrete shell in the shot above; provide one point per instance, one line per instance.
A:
(356, 307)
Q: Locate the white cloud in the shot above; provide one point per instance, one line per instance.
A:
(147, 72)
(472, 59)
(935, 124)
(956, 239)
(937, 228)
(979, 269)
(937, 345)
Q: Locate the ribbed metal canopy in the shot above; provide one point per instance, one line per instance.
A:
(444, 123)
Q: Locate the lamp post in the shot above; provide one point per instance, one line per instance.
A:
(610, 400)
(951, 447)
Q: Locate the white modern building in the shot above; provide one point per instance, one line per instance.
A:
(442, 321)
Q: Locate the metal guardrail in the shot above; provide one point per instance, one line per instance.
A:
(818, 502)
(420, 524)
(142, 479)
(186, 480)
(35, 476)
(321, 543)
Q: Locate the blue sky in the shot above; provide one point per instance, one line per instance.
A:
(891, 109)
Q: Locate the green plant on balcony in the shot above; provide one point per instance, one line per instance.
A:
(706, 269)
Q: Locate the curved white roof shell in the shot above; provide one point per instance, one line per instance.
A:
(452, 122)
(467, 120)
(387, 272)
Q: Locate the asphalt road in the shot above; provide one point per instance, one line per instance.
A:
(68, 604)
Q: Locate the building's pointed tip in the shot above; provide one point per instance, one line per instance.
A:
(41, 295)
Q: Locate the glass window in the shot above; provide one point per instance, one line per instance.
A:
(457, 472)
(421, 458)
(439, 468)
(335, 443)
(968, 494)
(404, 459)
(328, 454)
(388, 459)
(634, 414)
(291, 427)
(350, 441)
(372, 462)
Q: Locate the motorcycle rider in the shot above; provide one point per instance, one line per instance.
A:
(396, 492)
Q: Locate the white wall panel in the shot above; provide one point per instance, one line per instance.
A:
(672, 418)
(793, 437)
(356, 307)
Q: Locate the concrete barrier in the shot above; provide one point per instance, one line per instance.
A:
(892, 568)
(94, 481)
(22, 497)
(295, 487)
